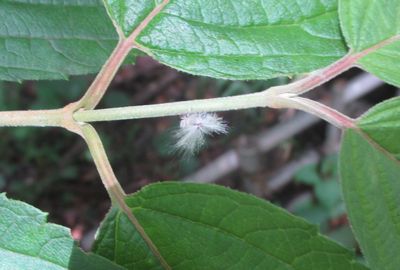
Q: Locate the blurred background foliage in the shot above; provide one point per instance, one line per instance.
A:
(52, 168)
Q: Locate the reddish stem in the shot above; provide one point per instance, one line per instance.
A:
(99, 86)
(327, 74)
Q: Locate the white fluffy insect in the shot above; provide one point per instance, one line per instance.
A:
(194, 127)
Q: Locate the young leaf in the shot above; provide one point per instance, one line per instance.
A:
(367, 23)
(236, 39)
(370, 172)
(28, 242)
(198, 226)
(51, 39)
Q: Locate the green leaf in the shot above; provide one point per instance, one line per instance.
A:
(370, 170)
(382, 124)
(371, 187)
(367, 23)
(51, 39)
(128, 14)
(232, 39)
(28, 242)
(197, 226)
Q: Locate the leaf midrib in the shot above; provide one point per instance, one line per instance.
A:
(230, 234)
(241, 27)
(234, 236)
(200, 54)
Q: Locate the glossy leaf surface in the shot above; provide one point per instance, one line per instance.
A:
(210, 227)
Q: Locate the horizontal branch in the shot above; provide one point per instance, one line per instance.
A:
(36, 118)
(257, 100)
(42, 118)
(175, 108)
(275, 97)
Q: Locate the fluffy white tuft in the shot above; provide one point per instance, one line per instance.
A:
(194, 127)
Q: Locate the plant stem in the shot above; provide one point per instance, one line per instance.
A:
(262, 99)
(42, 118)
(102, 81)
(100, 158)
(113, 187)
(275, 97)
(322, 111)
(324, 75)
(318, 77)
(36, 118)
(175, 108)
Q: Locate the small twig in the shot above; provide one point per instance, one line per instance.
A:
(327, 113)
(42, 118)
(100, 158)
(263, 99)
(36, 118)
(175, 108)
(275, 97)
(113, 187)
(324, 75)
(318, 77)
(102, 81)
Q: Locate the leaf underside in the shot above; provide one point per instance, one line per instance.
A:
(210, 227)
(230, 39)
(51, 39)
